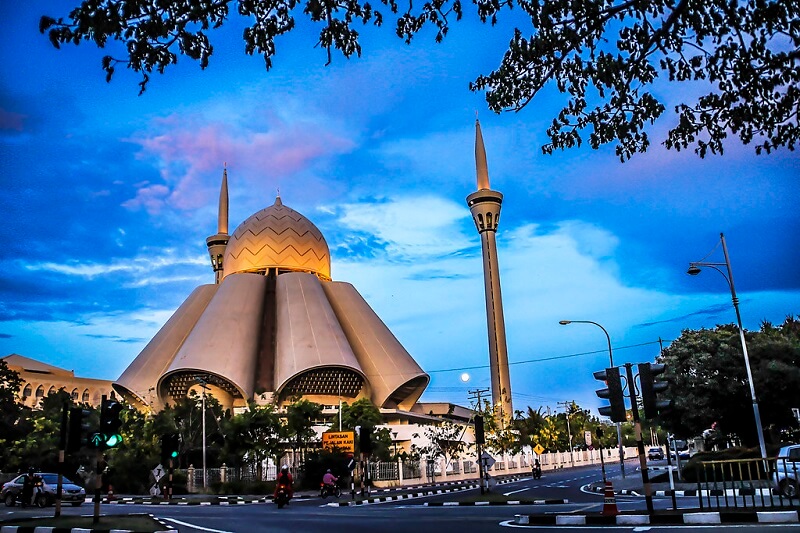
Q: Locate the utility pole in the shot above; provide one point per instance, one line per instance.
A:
(567, 408)
(476, 395)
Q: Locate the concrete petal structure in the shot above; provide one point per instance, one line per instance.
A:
(273, 327)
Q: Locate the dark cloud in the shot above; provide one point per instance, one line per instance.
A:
(6, 336)
(708, 312)
(116, 338)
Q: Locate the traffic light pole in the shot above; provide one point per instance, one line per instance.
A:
(62, 445)
(637, 424)
(98, 484)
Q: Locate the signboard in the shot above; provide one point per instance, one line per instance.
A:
(343, 441)
(158, 472)
(488, 460)
(587, 436)
(538, 449)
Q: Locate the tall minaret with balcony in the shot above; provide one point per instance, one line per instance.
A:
(217, 243)
(484, 204)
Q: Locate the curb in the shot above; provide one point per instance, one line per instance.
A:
(763, 517)
(430, 492)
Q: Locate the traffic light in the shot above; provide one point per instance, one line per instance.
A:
(170, 447)
(110, 423)
(78, 429)
(480, 438)
(650, 387)
(612, 393)
(365, 439)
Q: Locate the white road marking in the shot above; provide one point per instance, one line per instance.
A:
(514, 492)
(187, 524)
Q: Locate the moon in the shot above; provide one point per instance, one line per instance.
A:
(464, 377)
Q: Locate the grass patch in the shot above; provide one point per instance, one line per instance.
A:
(140, 523)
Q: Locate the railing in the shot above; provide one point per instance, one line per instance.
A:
(383, 471)
(747, 483)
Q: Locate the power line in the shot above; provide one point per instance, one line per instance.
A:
(543, 359)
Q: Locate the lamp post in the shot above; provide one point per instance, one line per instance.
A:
(611, 363)
(394, 433)
(694, 269)
(204, 386)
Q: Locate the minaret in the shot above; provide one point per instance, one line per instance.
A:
(484, 204)
(217, 243)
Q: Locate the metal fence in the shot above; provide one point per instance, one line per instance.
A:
(383, 471)
(747, 483)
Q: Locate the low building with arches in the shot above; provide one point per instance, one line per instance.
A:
(41, 379)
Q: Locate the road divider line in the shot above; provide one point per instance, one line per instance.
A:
(201, 528)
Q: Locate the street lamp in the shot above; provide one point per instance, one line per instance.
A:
(204, 386)
(611, 363)
(694, 269)
(394, 433)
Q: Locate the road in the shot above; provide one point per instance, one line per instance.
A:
(409, 516)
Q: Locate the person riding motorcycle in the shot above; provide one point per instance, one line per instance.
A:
(537, 469)
(329, 479)
(285, 480)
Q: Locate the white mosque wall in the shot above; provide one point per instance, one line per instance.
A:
(225, 340)
(143, 373)
(308, 334)
(389, 366)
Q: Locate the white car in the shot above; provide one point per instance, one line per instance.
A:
(787, 470)
(46, 495)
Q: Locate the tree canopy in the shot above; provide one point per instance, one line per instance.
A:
(708, 381)
(739, 60)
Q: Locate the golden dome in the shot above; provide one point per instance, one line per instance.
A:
(277, 237)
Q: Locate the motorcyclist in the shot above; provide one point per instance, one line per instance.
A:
(537, 469)
(329, 480)
(284, 479)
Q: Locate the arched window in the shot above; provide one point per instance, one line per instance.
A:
(26, 392)
(113, 395)
(51, 390)
(85, 398)
(74, 395)
(40, 391)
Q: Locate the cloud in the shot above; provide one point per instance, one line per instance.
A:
(11, 121)
(189, 148)
(409, 228)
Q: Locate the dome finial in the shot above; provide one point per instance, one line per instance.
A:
(278, 197)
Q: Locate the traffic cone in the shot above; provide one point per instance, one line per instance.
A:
(609, 501)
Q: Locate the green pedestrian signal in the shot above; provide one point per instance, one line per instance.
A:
(110, 423)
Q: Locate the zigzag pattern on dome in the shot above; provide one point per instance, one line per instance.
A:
(277, 237)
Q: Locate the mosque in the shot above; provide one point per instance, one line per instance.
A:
(274, 326)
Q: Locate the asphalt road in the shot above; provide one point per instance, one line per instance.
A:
(408, 516)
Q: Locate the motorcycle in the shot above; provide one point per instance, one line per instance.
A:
(282, 496)
(331, 489)
(537, 472)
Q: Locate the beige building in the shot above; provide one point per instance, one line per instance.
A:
(42, 379)
(274, 326)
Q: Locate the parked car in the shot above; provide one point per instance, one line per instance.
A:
(655, 454)
(70, 492)
(787, 469)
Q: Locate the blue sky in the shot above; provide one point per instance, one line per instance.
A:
(108, 198)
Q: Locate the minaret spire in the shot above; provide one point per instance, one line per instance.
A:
(484, 204)
(222, 218)
(481, 168)
(217, 243)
